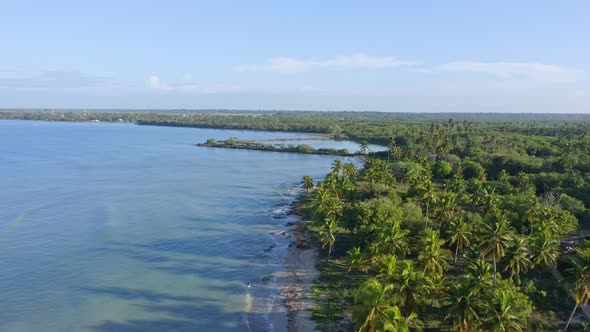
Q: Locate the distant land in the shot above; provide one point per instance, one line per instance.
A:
(374, 127)
(6, 113)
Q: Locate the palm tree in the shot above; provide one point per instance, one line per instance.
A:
(479, 272)
(533, 213)
(508, 310)
(365, 147)
(415, 174)
(396, 152)
(371, 303)
(410, 283)
(307, 183)
(377, 172)
(486, 200)
(460, 234)
(428, 197)
(525, 184)
(545, 249)
(491, 200)
(456, 184)
(334, 185)
(477, 198)
(435, 286)
(550, 222)
(327, 231)
(579, 275)
(518, 259)
(461, 305)
(387, 267)
(393, 239)
(392, 145)
(433, 255)
(497, 235)
(337, 167)
(447, 206)
(326, 204)
(350, 170)
(394, 321)
(357, 260)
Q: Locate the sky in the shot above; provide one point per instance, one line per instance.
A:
(391, 56)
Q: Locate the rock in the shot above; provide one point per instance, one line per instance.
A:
(303, 245)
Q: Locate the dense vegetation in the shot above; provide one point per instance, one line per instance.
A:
(464, 224)
(457, 226)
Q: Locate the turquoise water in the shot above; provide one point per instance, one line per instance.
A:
(118, 227)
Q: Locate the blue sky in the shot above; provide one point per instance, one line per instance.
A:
(416, 56)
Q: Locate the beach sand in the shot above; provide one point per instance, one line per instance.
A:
(290, 307)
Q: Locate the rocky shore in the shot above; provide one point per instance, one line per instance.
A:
(294, 298)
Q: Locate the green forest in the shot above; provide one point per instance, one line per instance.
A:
(459, 226)
(468, 222)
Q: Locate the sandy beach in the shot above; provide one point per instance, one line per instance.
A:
(290, 307)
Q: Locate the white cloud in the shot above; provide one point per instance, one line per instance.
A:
(512, 70)
(153, 82)
(359, 61)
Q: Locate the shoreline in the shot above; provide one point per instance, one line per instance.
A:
(300, 272)
(290, 309)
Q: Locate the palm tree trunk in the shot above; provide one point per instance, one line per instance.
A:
(494, 257)
(456, 253)
(571, 316)
(426, 222)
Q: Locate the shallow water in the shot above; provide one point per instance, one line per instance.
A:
(118, 227)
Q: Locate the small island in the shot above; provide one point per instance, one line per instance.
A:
(235, 143)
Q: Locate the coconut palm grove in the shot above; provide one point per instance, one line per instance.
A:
(458, 226)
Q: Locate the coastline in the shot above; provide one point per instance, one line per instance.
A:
(282, 300)
(294, 298)
(290, 310)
